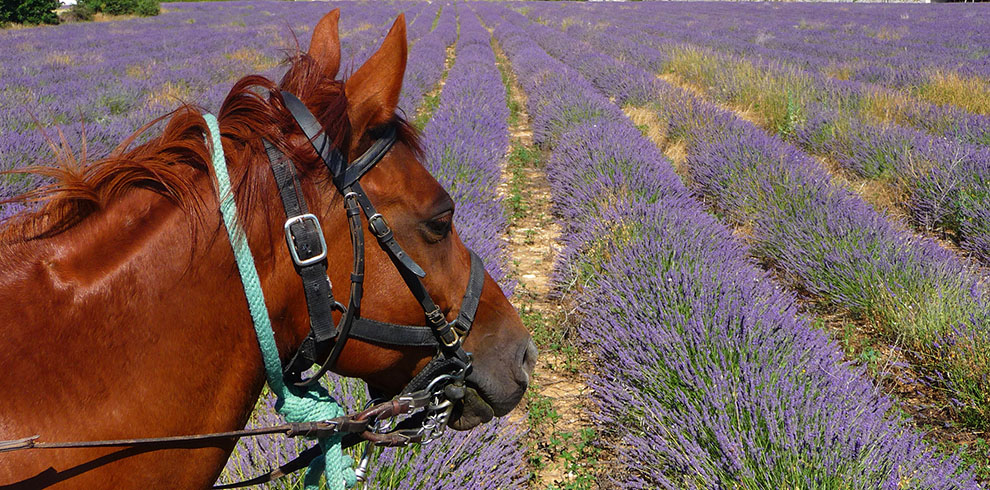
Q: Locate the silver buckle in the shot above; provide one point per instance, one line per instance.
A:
(292, 245)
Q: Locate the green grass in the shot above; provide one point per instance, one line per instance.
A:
(520, 158)
(580, 457)
(432, 100)
(976, 455)
(436, 20)
(428, 107)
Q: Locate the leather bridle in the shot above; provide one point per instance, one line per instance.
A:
(307, 246)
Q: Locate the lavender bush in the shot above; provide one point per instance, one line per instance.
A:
(825, 239)
(704, 372)
(114, 77)
(936, 157)
(466, 140)
(426, 62)
(917, 49)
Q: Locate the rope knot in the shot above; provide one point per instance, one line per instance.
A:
(313, 405)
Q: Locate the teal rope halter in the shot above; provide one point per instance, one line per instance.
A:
(296, 404)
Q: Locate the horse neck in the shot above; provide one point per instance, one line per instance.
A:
(152, 301)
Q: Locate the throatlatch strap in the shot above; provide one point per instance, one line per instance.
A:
(295, 405)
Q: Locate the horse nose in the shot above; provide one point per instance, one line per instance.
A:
(526, 362)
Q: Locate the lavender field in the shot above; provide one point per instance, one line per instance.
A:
(774, 220)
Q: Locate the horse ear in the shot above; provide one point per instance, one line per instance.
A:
(325, 45)
(373, 90)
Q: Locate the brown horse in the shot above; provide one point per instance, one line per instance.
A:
(122, 314)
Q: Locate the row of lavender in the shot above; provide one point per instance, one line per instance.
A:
(862, 99)
(464, 141)
(907, 46)
(426, 56)
(704, 371)
(825, 239)
(467, 138)
(944, 180)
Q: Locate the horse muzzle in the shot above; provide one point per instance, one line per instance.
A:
(494, 393)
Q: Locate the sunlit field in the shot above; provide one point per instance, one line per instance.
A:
(750, 239)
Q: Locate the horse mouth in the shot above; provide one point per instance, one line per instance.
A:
(470, 411)
(487, 397)
(481, 405)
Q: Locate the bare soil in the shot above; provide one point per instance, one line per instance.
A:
(534, 244)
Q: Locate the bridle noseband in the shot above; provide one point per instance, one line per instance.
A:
(307, 246)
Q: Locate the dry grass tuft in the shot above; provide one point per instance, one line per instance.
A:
(887, 33)
(253, 57)
(648, 122)
(949, 88)
(101, 17)
(839, 72)
(62, 58)
(170, 94)
(139, 71)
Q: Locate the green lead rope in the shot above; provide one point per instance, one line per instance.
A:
(295, 404)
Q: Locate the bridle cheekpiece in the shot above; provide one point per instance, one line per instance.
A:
(443, 377)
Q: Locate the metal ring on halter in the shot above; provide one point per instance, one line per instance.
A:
(442, 377)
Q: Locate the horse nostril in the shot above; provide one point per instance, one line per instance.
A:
(527, 361)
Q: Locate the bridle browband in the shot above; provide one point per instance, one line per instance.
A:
(307, 246)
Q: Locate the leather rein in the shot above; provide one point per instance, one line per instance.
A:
(427, 400)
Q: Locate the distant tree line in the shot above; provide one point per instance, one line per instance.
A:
(43, 11)
(122, 7)
(28, 11)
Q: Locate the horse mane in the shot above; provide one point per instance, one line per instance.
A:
(169, 164)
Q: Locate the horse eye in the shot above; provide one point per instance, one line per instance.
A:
(440, 225)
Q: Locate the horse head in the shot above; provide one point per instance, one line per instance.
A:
(420, 213)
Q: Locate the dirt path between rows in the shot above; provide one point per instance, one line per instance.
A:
(557, 399)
